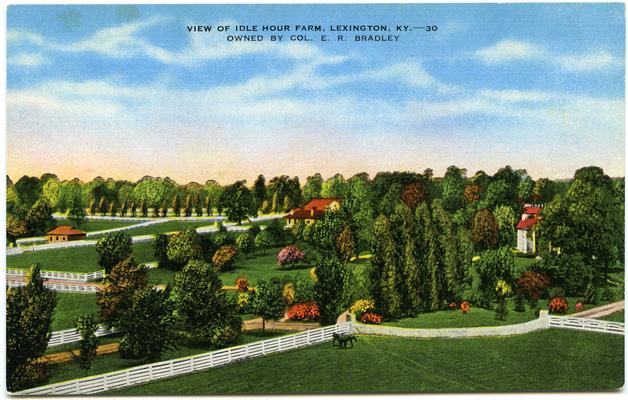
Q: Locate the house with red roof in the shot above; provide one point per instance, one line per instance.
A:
(64, 233)
(526, 228)
(312, 211)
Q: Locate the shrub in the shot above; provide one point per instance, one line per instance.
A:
(288, 292)
(558, 305)
(452, 305)
(242, 284)
(304, 312)
(579, 306)
(362, 306)
(532, 284)
(245, 244)
(223, 239)
(303, 290)
(568, 271)
(608, 294)
(290, 254)
(263, 241)
(370, 318)
(242, 301)
(224, 257)
(590, 295)
(465, 307)
(520, 305)
(494, 265)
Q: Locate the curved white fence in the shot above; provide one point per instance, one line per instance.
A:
(587, 324)
(66, 276)
(61, 287)
(71, 335)
(165, 369)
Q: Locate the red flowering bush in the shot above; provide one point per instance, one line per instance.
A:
(370, 318)
(579, 306)
(558, 305)
(453, 305)
(532, 284)
(242, 284)
(465, 306)
(304, 312)
(290, 254)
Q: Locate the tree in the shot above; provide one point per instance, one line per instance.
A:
(148, 325)
(15, 228)
(263, 241)
(345, 245)
(28, 190)
(239, 201)
(506, 220)
(50, 192)
(291, 255)
(336, 186)
(176, 205)
(113, 248)
(453, 188)
(39, 217)
(116, 294)
(86, 326)
(160, 246)
(224, 258)
(184, 246)
(384, 273)
(494, 265)
(29, 316)
(259, 190)
(327, 230)
(484, 230)
(313, 187)
(412, 194)
(359, 206)
(586, 219)
(331, 288)
(268, 302)
(203, 306)
(245, 243)
(472, 193)
(76, 213)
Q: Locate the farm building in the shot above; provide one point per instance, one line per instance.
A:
(313, 210)
(526, 231)
(64, 233)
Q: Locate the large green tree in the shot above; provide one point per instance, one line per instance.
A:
(384, 273)
(184, 246)
(113, 248)
(239, 202)
(331, 290)
(484, 230)
(268, 302)
(29, 314)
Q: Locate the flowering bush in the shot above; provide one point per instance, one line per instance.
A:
(362, 306)
(242, 284)
(453, 305)
(558, 305)
(503, 289)
(242, 301)
(579, 306)
(304, 312)
(224, 257)
(288, 292)
(465, 306)
(290, 254)
(370, 318)
(532, 284)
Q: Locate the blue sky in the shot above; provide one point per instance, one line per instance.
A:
(126, 91)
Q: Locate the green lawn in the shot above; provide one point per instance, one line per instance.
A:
(97, 225)
(522, 264)
(615, 317)
(113, 362)
(77, 259)
(169, 226)
(70, 306)
(552, 360)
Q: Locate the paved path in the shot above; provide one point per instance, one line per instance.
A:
(600, 311)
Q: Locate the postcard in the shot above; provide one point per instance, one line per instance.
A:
(315, 198)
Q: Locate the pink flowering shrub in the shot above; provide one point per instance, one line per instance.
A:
(290, 255)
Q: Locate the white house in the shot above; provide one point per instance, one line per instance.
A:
(526, 228)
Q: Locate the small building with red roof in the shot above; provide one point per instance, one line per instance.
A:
(526, 228)
(64, 233)
(314, 210)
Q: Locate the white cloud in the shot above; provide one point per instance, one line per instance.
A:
(509, 50)
(516, 96)
(27, 60)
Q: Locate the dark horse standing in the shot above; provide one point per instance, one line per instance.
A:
(342, 340)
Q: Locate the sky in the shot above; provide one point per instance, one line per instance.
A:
(126, 91)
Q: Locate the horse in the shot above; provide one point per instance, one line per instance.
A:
(342, 340)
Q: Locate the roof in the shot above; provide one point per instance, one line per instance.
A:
(320, 203)
(527, 223)
(531, 210)
(298, 213)
(65, 230)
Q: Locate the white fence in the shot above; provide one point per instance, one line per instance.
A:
(71, 335)
(66, 276)
(587, 324)
(61, 287)
(165, 369)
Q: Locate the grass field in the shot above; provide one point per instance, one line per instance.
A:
(165, 227)
(97, 225)
(70, 306)
(113, 362)
(615, 317)
(77, 259)
(552, 360)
